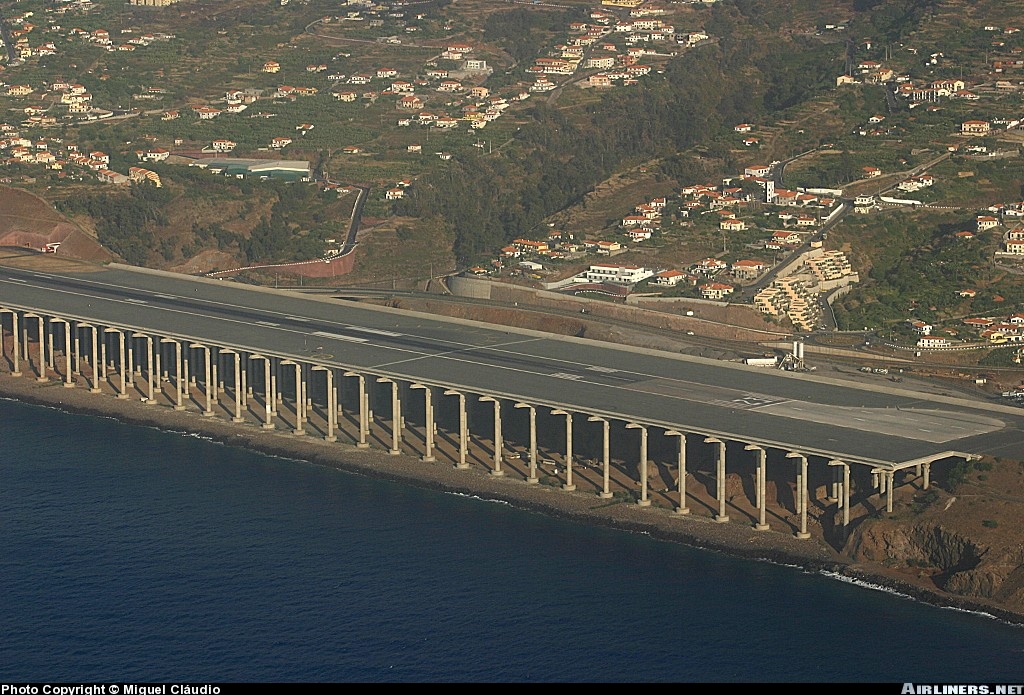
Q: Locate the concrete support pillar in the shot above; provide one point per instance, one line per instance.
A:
(50, 359)
(332, 403)
(568, 486)
(428, 408)
(68, 379)
(207, 376)
(42, 350)
(721, 517)
(157, 375)
(122, 363)
(103, 354)
(298, 395)
(801, 492)
(77, 351)
(16, 371)
(844, 491)
(268, 393)
(179, 386)
(532, 476)
(130, 360)
(644, 500)
(606, 461)
(682, 509)
(463, 428)
(890, 475)
(364, 427)
(498, 442)
(94, 358)
(760, 485)
(152, 379)
(237, 417)
(243, 386)
(926, 476)
(396, 416)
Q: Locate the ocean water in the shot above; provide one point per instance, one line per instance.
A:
(132, 554)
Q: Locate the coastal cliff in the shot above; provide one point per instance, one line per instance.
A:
(968, 543)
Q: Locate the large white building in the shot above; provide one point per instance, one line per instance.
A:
(617, 274)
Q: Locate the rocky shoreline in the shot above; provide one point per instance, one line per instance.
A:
(695, 531)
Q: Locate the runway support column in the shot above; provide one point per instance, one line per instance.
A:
(801, 493)
(606, 461)
(428, 408)
(463, 428)
(332, 401)
(568, 486)
(644, 500)
(364, 427)
(207, 375)
(42, 350)
(498, 442)
(150, 383)
(682, 509)
(268, 395)
(123, 394)
(50, 358)
(844, 491)
(94, 358)
(17, 346)
(396, 416)
(721, 517)
(77, 351)
(68, 381)
(532, 477)
(298, 395)
(237, 417)
(130, 356)
(760, 485)
(178, 385)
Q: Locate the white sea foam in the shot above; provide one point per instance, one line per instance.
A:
(477, 497)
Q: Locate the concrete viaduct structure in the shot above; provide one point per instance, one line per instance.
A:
(166, 340)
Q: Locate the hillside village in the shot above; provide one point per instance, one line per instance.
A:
(384, 94)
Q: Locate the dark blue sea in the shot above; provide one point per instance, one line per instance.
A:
(131, 554)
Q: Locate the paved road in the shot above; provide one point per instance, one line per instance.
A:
(790, 411)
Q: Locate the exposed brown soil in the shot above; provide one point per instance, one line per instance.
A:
(28, 221)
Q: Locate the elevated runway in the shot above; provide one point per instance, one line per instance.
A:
(806, 413)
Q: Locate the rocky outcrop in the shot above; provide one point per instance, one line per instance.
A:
(961, 565)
